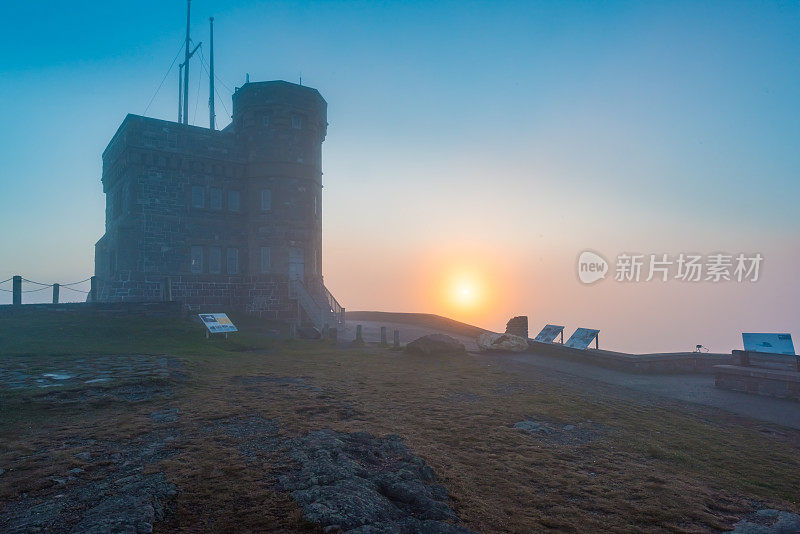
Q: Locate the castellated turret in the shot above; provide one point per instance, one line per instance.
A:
(225, 220)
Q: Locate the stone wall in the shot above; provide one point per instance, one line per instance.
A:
(768, 382)
(518, 326)
(198, 294)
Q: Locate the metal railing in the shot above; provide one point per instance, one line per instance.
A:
(319, 304)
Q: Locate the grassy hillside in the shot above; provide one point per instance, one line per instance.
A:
(608, 461)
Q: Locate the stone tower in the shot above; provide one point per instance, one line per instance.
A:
(281, 127)
(230, 219)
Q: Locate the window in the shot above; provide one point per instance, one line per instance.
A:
(215, 198)
(116, 209)
(265, 121)
(214, 260)
(126, 199)
(233, 261)
(197, 260)
(233, 200)
(198, 196)
(266, 200)
(265, 260)
(297, 122)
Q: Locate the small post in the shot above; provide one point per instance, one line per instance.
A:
(324, 331)
(383, 335)
(292, 330)
(359, 339)
(56, 288)
(16, 288)
(597, 341)
(396, 338)
(93, 289)
(562, 336)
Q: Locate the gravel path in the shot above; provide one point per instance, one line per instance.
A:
(697, 389)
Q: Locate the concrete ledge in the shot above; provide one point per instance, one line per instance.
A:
(148, 309)
(658, 363)
(780, 383)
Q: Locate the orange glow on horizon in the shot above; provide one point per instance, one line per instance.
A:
(465, 287)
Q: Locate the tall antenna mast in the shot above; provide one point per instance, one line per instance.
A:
(211, 115)
(180, 94)
(186, 65)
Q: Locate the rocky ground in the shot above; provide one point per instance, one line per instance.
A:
(312, 437)
(343, 482)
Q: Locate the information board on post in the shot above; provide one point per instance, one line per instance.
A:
(549, 333)
(218, 323)
(772, 343)
(581, 338)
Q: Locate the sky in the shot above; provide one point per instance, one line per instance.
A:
(474, 150)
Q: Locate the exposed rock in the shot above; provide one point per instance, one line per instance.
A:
(768, 521)
(518, 326)
(502, 342)
(165, 416)
(532, 426)
(560, 434)
(435, 344)
(136, 504)
(358, 483)
(130, 504)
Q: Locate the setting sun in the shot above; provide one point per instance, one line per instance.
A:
(465, 293)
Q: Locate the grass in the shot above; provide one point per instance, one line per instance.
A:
(56, 334)
(652, 468)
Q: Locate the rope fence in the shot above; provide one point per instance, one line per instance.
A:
(17, 291)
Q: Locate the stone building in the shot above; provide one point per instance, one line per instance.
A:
(225, 220)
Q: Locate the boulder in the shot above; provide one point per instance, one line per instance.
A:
(502, 342)
(435, 344)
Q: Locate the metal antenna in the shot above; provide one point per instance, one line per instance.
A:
(186, 65)
(211, 115)
(180, 94)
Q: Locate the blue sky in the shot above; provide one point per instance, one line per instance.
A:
(524, 131)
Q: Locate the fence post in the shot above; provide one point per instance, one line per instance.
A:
(93, 289)
(359, 339)
(396, 338)
(383, 335)
(56, 287)
(16, 288)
